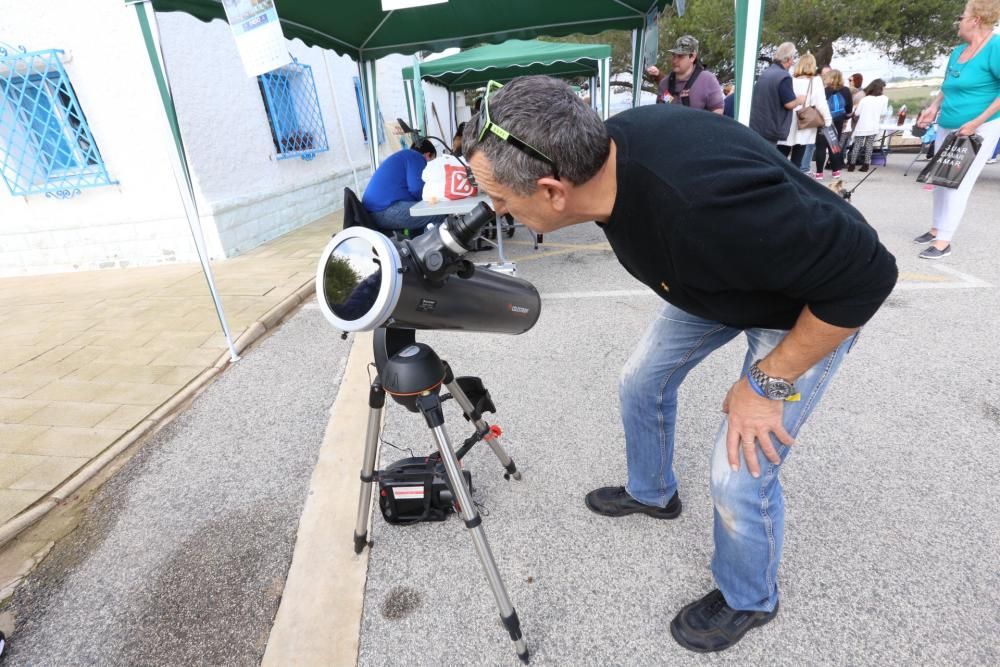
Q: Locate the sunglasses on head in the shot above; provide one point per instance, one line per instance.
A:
(487, 125)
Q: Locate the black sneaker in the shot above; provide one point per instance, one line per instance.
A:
(615, 501)
(926, 237)
(934, 253)
(863, 167)
(710, 624)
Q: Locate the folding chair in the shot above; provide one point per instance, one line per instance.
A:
(356, 214)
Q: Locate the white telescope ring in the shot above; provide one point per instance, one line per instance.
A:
(389, 288)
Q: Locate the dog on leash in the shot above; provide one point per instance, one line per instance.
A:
(838, 187)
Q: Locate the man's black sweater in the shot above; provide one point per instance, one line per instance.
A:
(716, 221)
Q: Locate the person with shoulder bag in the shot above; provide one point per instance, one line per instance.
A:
(839, 100)
(968, 104)
(814, 113)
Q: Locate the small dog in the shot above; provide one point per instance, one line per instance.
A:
(838, 187)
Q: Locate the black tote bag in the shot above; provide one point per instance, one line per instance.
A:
(949, 165)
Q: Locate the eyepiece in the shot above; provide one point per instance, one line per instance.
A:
(466, 228)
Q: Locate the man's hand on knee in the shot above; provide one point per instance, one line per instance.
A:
(752, 420)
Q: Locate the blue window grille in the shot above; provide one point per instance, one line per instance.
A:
(293, 111)
(380, 126)
(45, 142)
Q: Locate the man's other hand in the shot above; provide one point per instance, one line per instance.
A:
(752, 420)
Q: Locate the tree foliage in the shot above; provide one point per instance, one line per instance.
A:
(912, 33)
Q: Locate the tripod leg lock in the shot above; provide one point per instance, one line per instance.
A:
(368, 478)
(472, 523)
(513, 625)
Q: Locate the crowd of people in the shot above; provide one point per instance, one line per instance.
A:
(815, 117)
(823, 122)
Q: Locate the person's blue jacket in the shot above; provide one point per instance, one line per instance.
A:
(398, 178)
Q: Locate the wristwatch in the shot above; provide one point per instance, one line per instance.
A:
(775, 389)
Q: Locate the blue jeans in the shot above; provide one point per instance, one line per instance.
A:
(397, 216)
(749, 512)
(807, 157)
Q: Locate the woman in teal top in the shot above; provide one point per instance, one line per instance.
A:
(969, 103)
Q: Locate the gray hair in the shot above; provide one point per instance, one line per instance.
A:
(785, 52)
(546, 114)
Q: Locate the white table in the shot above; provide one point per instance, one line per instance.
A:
(891, 129)
(447, 206)
(461, 207)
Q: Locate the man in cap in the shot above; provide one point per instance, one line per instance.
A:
(688, 83)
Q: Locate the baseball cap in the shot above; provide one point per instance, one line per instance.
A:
(685, 44)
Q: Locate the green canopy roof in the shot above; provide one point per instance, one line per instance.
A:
(360, 29)
(503, 62)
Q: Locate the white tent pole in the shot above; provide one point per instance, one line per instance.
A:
(751, 13)
(368, 92)
(606, 88)
(638, 42)
(451, 116)
(418, 96)
(408, 92)
(180, 166)
(340, 123)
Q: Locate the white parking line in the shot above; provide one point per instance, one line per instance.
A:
(598, 295)
(965, 281)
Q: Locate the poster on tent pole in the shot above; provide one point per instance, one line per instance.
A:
(258, 35)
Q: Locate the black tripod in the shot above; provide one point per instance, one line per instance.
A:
(412, 374)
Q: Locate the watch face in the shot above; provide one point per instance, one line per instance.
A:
(778, 390)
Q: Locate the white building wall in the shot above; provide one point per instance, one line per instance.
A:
(139, 221)
(245, 192)
(245, 195)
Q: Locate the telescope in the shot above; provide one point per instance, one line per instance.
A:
(366, 281)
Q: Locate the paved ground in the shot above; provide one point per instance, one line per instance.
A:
(890, 553)
(182, 556)
(89, 356)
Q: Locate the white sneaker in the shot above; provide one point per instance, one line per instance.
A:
(992, 160)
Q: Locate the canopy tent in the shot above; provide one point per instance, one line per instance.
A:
(363, 31)
(475, 68)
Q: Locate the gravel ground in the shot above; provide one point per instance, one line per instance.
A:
(892, 532)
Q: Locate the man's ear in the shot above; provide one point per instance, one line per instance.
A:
(555, 191)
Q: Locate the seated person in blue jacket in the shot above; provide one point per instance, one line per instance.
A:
(397, 185)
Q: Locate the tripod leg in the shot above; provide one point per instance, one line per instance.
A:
(493, 440)
(430, 406)
(376, 401)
